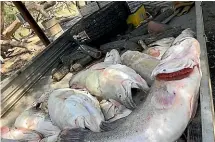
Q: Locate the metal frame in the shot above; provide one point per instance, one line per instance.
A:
(206, 99)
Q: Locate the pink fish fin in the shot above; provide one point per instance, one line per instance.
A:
(72, 135)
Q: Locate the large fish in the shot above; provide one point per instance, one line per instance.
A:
(37, 120)
(142, 63)
(113, 110)
(110, 80)
(70, 108)
(19, 134)
(158, 48)
(169, 106)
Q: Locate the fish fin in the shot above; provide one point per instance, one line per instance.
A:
(72, 135)
(108, 126)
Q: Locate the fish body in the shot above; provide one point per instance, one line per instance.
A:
(50, 138)
(69, 108)
(142, 63)
(158, 48)
(163, 117)
(113, 110)
(168, 108)
(37, 120)
(110, 80)
(19, 134)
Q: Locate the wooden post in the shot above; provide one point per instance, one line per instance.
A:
(27, 16)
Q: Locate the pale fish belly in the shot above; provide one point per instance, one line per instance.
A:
(162, 117)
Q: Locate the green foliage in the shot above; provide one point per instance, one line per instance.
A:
(9, 14)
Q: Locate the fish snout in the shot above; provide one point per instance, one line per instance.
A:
(130, 89)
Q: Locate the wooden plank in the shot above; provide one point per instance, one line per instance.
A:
(206, 100)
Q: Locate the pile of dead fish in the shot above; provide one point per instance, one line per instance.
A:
(147, 96)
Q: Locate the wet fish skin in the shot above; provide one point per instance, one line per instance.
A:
(50, 138)
(113, 110)
(154, 120)
(178, 57)
(110, 80)
(37, 120)
(142, 63)
(69, 108)
(19, 134)
(158, 48)
(164, 115)
(113, 57)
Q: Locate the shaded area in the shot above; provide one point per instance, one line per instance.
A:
(209, 23)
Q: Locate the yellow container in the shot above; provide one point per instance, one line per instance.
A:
(137, 17)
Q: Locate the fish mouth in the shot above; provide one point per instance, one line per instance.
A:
(138, 96)
(177, 75)
(135, 96)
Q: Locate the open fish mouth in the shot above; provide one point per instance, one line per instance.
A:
(183, 73)
(131, 90)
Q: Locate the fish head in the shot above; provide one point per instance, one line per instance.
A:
(118, 81)
(184, 34)
(180, 59)
(29, 118)
(20, 134)
(113, 57)
(129, 88)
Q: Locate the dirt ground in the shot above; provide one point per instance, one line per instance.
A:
(209, 23)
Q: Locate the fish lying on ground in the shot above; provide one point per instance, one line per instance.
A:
(70, 108)
(19, 134)
(142, 63)
(37, 120)
(110, 80)
(158, 48)
(169, 106)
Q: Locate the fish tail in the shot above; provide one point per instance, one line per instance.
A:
(72, 135)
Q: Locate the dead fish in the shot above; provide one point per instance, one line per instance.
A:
(50, 139)
(187, 33)
(142, 63)
(158, 48)
(37, 120)
(70, 108)
(107, 80)
(167, 110)
(19, 134)
(113, 57)
(113, 110)
(178, 58)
